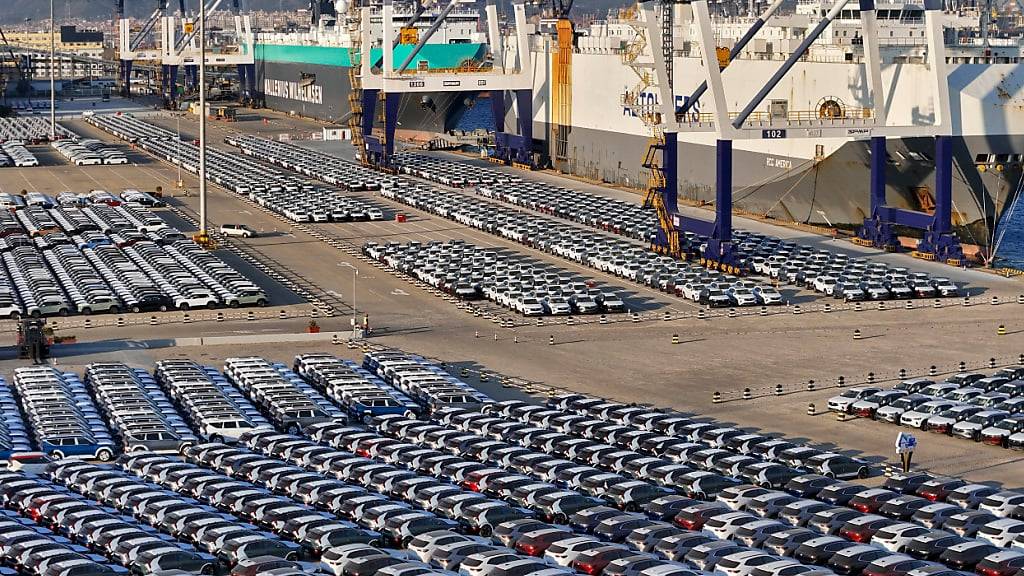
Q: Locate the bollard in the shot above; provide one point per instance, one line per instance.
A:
(857, 307)
(152, 320)
(334, 339)
(903, 373)
(186, 319)
(991, 362)
(1020, 299)
(764, 310)
(716, 397)
(88, 322)
(881, 305)
(465, 373)
(963, 366)
(856, 334)
(811, 410)
(910, 305)
(746, 394)
(667, 316)
(933, 371)
(967, 301)
(540, 321)
(675, 338)
(495, 336)
(282, 315)
(937, 303)
(828, 307)
(220, 316)
(515, 339)
(700, 314)
(551, 340)
(476, 334)
(841, 381)
(1020, 359)
(732, 312)
(796, 309)
(778, 389)
(1001, 331)
(603, 319)
(250, 315)
(484, 377)
(995, 300)
(810, 386)
(636, 317)
(871, 377)
(120, 321)
(568, 321)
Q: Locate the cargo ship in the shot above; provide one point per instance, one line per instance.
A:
(306, 72)
(812, 181)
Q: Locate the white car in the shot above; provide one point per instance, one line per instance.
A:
(1002, 532)
(917, 417)
(743, 563)
(563, 552)
(226, 430)
(843, 402)
(725, 525)
(333, 560)
(895, 538)
(1002, 503)
(238, 230)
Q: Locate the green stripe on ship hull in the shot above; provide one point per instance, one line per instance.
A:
(436, 55)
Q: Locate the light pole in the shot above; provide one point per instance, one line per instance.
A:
(202, 119)
(53, 82)
(355, 275)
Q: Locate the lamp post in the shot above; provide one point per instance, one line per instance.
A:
(53, 82)
(177, 145)
(355, 275)
(202, 119)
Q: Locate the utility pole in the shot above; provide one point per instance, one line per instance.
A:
(202, 119)
(53, 82)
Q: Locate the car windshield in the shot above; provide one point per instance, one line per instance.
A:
(850, 394)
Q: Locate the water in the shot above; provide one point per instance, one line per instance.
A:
(1011, 248)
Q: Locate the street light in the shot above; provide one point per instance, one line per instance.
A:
(355, 275)
(177, 145)
(53, 93)
(202, 119)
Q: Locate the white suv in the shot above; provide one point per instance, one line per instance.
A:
(240, 230)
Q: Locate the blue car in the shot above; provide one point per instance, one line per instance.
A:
(76, 447)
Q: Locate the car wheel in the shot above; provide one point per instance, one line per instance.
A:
(262, 302)
(559, 519)
(485, 531)
(700, 496)
(216, 439)
(863, 472)
(57, 455)
(36, 314)
(138, 449)
(831, 475)
(631, 507)
(410, 414)
(233, 304)
(163, 308)
(85, 311)
(136, 309)
(184, 307)
(211, 306)
(294, 429)
(63, 312)
(184, 447)
(15, 315)
(367, 419)
(104, 455)
(114, 309)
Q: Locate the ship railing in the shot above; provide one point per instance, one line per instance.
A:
(806, 117)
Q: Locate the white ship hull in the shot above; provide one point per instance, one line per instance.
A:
(799, 179)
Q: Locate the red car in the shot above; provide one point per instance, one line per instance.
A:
(537, 542)
(594, 561)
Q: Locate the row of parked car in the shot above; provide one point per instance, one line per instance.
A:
(599, 250)
(360, 393)
(89, 152)
(107, 256)
(215, 410)
(424, 380)
(140, 414)
(14, 434)
(515, 281)
(29, 129)
(970, 405)
(294, 198)
(14, 153)
(857, 278)
(62, 416)
(289, 402)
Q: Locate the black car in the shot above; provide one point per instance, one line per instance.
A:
(808, 485)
